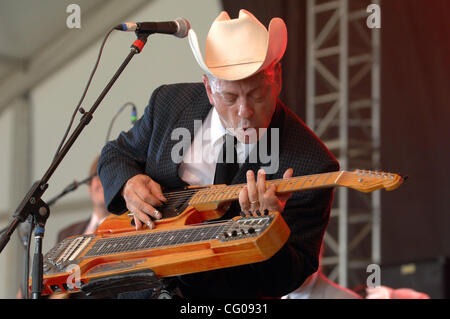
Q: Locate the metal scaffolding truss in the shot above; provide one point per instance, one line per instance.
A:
(343, 109)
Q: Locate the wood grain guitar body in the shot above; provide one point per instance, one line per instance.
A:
(120, 258)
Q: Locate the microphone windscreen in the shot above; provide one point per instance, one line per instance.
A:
(127, 26)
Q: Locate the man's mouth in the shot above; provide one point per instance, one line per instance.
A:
(246, 134)
(247, 131)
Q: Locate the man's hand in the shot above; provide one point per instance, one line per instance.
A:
(142, 195)
(256, 196)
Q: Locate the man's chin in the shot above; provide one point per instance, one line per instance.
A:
(246, 135)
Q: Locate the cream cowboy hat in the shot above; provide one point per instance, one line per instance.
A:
(238, 48)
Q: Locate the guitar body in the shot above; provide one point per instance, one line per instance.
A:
(119, 258)
(123, 223)
(117, 254)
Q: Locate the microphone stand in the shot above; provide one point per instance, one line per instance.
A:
(32, 204)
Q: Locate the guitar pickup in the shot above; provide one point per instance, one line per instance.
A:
(246, 227)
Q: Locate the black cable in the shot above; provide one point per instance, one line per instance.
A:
(84, 93)
(70, 188)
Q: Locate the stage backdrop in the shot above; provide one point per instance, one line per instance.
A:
(415, 87)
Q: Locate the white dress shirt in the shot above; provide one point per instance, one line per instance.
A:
(198, 166)
(304, 291)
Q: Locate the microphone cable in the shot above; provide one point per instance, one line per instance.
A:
(77, 109)
(133, 117)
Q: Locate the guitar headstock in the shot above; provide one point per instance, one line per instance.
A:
(368, 181)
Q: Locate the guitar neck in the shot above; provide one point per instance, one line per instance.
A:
(217, 194)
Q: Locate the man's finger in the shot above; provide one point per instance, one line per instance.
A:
(156, 190)
(252, 190)
(289, 173)
(244, 202)
(261, 185)
(149, 210)
(137, 222)
(285, 196)
(271, 200)
(141, 218)
(150, 198)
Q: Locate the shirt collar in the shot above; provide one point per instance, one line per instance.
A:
(217, 129)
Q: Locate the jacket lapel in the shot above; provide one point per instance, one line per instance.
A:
(186, 119)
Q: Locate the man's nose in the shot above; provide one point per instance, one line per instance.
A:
(245, 110)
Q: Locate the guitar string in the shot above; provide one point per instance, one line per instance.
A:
(184, 194)
(130, 240)
(180, 232)
(180, 194)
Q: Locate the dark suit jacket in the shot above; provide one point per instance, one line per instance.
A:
(147, 147)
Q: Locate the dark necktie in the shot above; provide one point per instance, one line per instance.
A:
(227, 164)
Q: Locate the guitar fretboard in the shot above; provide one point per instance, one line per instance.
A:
(293, 184)
(144, 241)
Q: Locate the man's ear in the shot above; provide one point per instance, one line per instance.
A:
(94, 184)
(208, 88)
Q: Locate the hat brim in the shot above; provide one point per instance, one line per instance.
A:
(276, 46)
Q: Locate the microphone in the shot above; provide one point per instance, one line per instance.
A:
(178, 28)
